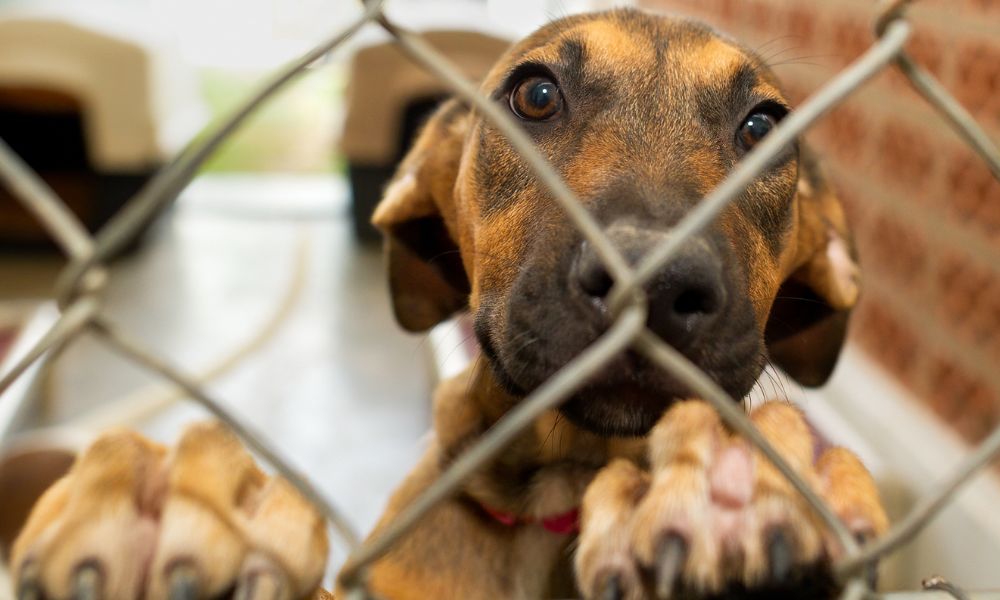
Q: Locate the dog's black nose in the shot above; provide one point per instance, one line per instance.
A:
(686, 297)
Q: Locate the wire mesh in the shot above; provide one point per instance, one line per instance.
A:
(82, 280)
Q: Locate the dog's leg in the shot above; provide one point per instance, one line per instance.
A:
(715, 517)
(134, 520)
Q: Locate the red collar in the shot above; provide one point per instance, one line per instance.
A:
(563, 523)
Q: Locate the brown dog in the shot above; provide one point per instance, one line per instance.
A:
(642, 116)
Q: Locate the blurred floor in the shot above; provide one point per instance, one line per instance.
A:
(338, 387)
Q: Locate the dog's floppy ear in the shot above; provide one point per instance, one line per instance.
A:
(808, 321)
(427, 279)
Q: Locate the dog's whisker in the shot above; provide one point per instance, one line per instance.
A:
(525, 345)
(470, 252)
(548, 436)
(524, 339)
(748, 400)
(459, 345)
(800, 299)
(796, 63)
(760, 380)
(780, 38)
(773, 55)
(801, 60)
(425, 340)
(556, 12)
(476, 370)
(786, 381)
(774, 387)
(778, 378)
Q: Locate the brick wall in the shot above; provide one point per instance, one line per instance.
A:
(925, 211)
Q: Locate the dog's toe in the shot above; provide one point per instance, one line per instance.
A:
(604, 563)
(134, 520)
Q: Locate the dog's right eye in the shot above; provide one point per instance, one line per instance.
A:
(536, 98)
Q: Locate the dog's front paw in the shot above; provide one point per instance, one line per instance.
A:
(135, 520)
(715, 518)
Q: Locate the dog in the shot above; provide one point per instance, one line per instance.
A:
(631, 489)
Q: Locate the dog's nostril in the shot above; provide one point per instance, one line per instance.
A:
(688, 298)
(592, 277)
(690, 302)
(596, 284)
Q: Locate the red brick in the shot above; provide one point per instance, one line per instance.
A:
(845, 134)
(907, 156)
(857, 207)
(895, 251)
(887, 338)
(977, 80)
(758, 15)
(801, 23)
(965, 401)
(849, 38)
(969, 302)
(984, 6)
(972, 194)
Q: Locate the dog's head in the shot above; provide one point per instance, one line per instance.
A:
(642, 116)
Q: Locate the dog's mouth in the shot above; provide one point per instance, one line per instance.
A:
(629, 395)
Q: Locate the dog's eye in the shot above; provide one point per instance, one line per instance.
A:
(754, 128)
(536, 99)
(759, 123)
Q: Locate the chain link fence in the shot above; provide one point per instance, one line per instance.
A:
(80, 286)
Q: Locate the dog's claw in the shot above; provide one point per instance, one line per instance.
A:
(871, 570)
(182, 582)
(670, 558)
(611, 588)
(261, 585)
(87, 583)
(779, 554)
(29, 587)
(29, 590)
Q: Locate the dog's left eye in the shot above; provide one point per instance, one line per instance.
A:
(536, 98)
(759, 123)
(754, 128)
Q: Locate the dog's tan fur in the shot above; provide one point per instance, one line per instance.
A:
(136, 508)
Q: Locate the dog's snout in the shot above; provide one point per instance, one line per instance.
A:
(686, 297)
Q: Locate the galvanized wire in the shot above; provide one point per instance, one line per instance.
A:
(58, 219)
(80, 284)
(940, 583)
(69, 324)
